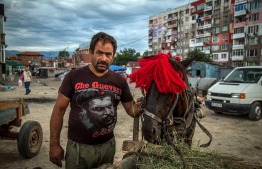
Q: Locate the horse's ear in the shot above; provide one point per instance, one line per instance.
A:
(188, 62)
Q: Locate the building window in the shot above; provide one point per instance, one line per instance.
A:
(251, 63)
(223, 56)
(254, 17)
(206, 39)
(252, 52)
(215, 56)
(201, 6)
(215, 47)
(193, 25)
(224, 37)
(187, 11)
(254, 5)
(216, 21)
(216, 12)
(238, 52)
(217, 3)
(252, 41)
(253, 29)
(226, 8)
(240, 7)
(215, 38)
(193, 10)
(216, 30)
(225, 18)
(225, 28)
(239, 30)
(187, 19)
(224, 46)
(238, 64)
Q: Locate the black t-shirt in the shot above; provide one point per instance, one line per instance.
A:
(93, 102)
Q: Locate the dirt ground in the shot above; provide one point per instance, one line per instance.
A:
(233, 135)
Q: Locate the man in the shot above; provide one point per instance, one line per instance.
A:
(93, 92)
(27, 78)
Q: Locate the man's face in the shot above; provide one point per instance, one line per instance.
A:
(102, 56)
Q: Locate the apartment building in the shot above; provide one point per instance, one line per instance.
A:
(216, 27)
(247, 37)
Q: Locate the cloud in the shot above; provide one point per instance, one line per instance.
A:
(37, 25)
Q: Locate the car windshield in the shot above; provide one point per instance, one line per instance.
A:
(244, 76)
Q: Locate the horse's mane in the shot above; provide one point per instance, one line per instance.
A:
(168, 75)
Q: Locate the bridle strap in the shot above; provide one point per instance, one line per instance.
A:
(170, 112)
(153, 116)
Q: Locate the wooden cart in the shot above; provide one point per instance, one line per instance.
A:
(30, 136)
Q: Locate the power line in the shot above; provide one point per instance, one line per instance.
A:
(132, 41)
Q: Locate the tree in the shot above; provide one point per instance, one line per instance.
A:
(125, 56)
(63, 53)
(77, 50)
(145, 53)
(202, 56)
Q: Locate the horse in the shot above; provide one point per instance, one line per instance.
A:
(166, 115)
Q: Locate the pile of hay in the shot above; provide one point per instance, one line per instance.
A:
(165, 157)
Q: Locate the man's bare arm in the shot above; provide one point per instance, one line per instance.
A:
(132, 108)
(56, 121)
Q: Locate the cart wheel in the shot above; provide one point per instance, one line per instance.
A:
(30, 139)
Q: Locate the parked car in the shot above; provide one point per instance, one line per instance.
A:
(35, 72)
(62, 76)
(19, 69)
(239, 93)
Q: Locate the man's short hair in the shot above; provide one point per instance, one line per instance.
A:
(105, 38)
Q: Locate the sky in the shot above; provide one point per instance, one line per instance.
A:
(55, 25)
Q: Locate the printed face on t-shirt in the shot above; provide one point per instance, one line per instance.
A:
(100, 112)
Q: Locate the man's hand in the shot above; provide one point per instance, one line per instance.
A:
(56, 155)
(141, 103)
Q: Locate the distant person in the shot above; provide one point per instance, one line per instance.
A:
(27, 78)
(93, 93)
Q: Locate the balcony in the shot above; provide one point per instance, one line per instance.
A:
(172, 26)
(200, 27)
(168, 40)
(239, 13)
(207, 17)
(240, 2)
(206, 51)
(238, 46)
(203, 35)
(237, 58)
(239, 35)
(195, 44)
(208, 8)
(169, 32)
(207, 26)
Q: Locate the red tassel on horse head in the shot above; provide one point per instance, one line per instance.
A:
(159, 69)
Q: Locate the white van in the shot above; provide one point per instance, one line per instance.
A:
(240, 92)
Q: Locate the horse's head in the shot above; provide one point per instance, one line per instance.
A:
(155, 115)
(160, 108)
